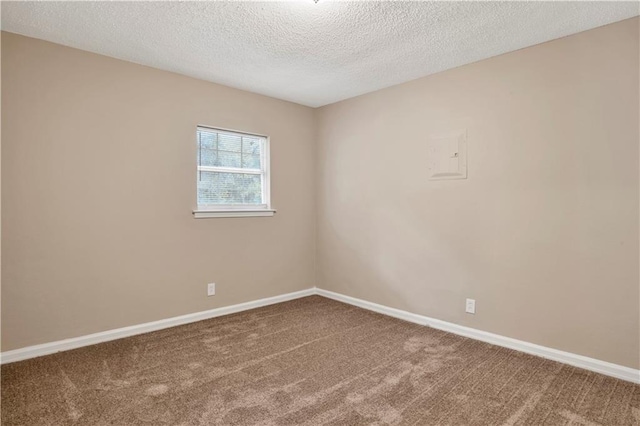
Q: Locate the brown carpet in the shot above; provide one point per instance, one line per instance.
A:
(312, 361)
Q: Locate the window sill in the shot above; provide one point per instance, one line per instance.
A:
(204, 214)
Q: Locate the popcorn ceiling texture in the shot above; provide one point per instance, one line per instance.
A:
(312, 54)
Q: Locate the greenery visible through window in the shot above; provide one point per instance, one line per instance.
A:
(232, 170)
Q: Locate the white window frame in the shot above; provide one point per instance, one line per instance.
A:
(238, 210)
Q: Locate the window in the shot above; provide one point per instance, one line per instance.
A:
(233, 174)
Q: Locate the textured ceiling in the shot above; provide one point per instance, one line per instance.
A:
(312, 54)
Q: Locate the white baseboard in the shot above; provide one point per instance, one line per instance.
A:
(119, 333)
(602, 367)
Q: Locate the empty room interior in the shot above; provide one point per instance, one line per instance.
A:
(320, 213)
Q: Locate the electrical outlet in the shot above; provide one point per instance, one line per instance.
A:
(211, 289)
(470, 307)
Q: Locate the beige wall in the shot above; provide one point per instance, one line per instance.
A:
(98, 184)
(543, 233)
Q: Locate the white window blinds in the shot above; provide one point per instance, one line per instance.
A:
(232, 170)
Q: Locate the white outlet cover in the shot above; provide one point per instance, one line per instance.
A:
(211, 289)
(470, 307)
(447, 155)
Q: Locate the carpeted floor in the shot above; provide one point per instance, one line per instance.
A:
(312, 361)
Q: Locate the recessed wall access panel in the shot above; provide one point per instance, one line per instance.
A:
(447, 156)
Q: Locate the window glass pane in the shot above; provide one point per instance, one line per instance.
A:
(229, 142)
(219, 149)
(250, 161)
(208, 139)
(229, 188)
(251, 145)
(207, 157)
(228, 159)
